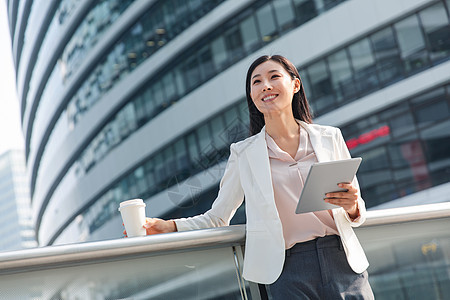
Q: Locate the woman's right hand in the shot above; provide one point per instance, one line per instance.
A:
(156, 225)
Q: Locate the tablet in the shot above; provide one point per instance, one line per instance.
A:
(323, 178)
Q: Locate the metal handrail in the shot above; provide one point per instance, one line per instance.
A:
(407, 214)
(73, 254)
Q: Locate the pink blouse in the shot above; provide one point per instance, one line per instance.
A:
(288, 176)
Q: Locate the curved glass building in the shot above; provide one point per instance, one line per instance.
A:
(126, 99)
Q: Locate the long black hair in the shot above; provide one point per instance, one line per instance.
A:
(300, 106)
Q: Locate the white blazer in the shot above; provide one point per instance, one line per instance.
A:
(248, 173)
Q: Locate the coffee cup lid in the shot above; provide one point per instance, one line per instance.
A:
(131, 202)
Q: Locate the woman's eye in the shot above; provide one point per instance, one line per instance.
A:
(275, 75)
(256, 81)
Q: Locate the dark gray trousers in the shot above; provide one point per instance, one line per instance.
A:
(318, 269)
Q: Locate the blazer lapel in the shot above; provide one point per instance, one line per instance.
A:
(258, 159)
(258, 156)
(321, 141)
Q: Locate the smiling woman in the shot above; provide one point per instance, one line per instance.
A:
(269, 169)
(10, 133)
(272, 82)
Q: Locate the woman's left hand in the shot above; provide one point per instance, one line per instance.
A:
(348, 200)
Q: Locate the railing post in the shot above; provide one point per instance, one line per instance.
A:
(239, 261)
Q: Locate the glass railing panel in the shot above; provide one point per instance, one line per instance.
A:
(190, 265)
(205, 274)
(408, 259)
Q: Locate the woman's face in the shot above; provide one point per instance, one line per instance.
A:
(272, 88)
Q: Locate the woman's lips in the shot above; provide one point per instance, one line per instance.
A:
(269, 98)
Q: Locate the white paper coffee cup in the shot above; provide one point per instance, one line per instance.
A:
(133, 216)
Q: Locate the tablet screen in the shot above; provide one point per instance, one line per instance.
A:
(323, 178)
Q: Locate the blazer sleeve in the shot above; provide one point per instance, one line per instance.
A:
(229, 198)
(345, 154)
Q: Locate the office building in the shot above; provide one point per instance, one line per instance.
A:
(125, 99)
(141, 99)
(15, 222)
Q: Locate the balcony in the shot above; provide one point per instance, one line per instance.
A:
(408, 250)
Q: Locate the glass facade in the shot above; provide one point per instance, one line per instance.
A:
(15, 212)
(405, 147)
(24, 8)
(335, 80)
(374, 59)
(152, 31)
(61, 14)
(89, 32)
(195, 152)
(399, 50)
(232, 41)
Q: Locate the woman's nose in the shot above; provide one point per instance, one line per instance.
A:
(267, 87)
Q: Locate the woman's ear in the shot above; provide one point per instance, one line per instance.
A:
(297, 85)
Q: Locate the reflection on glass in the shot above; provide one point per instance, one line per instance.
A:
(192, 72)
(307, 86)
(394, 149)
(181, 155)
(363, 64)
(374, 176)
(63, 12)
(161, 94)
(436, 108)
(416, 176)
(341, 75)
(411, 43)
(207, 67)
(197, 151)
(402, 124)
(432, 113)
(87, 35)
(249, 33)
(190, 274)
(436, 140)
(219, 52)
(204, 139)
(396, 160)
(284, 13)
(305, 9)
(194, 152)
(233, 42)
(386, 54)
(437, 30)
(220, 141)
(320, 84)
(266, 22)
(408, 260)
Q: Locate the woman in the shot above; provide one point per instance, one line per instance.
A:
(299, 256)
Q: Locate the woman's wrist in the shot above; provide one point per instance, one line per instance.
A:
(172, 226)
(353, 213)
